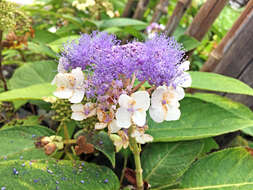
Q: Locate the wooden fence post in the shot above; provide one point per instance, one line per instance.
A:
(205, 17)
(141, 7)
(175, 18)
(237, 60)
(130, 5)
(217, 53)
(160, 9)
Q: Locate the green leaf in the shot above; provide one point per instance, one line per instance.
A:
(101, 142)
(44, 36)
(41, 48)
(52, 174)
(227, 169)
(209, 144)
(234, 107)
(188, 42)
(19, 141)
(231, 106)
(34, 92)
(199, 119)
(121, 22)
(164, 163)
(33, 73)
(219, 83)
(57, 45)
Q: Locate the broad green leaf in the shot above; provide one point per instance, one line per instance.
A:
(231, 106)
(121, 22)
(219, 83)
(42, 49)
(101, 142)
(164, 163)
(18, 142)
(52, 174)
(209, 144)
(45, 36)
(228, 169)
(33, 73)
(57, 45)
(199, 119)
(33, 92)
(226, 103)
(188, 42)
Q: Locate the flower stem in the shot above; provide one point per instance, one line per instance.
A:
(123, 170)
(138, 170)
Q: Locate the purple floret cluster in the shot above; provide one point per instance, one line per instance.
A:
(104, 60)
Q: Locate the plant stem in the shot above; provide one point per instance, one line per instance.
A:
(123, 170)
(1, 68)
(136, 150)
(138, 86)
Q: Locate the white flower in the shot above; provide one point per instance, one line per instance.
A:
(185, 79)
(165, 105)
(140, 136)
(113, 127)
(81, 112)
(120, 141)
(132, 109)
(70, 85)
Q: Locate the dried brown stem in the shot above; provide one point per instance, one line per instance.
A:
(141, 7)
(1, 58)
(178, 13)
(129, 8)
(138, 86)
(160, 9)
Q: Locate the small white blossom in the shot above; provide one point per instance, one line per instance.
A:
(132, 109)
(140, 136)
(165, 105)
(185, 79)
(120, 141)
(70, 85)
(113, 127)
(81, 112)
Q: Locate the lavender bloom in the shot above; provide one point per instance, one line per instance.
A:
(105, 61)
(89, 50)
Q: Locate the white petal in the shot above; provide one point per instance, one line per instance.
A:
(77, 107)
(61, 79)
(99, 126)
(139, 118)
(172, 114)
(157, 114)
(78, 74)
(78, 116)
(142, 100)
(147, 138)
(114, 128)
(123, 118)
(124, 100)
(77, 96)
(60, 67)
(186, 81)
(63, 94)
(185, 66)
(157, 96)
(180, 93)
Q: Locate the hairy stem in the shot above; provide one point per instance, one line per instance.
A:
(138, 86)
(136, 150)
(1, 68)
